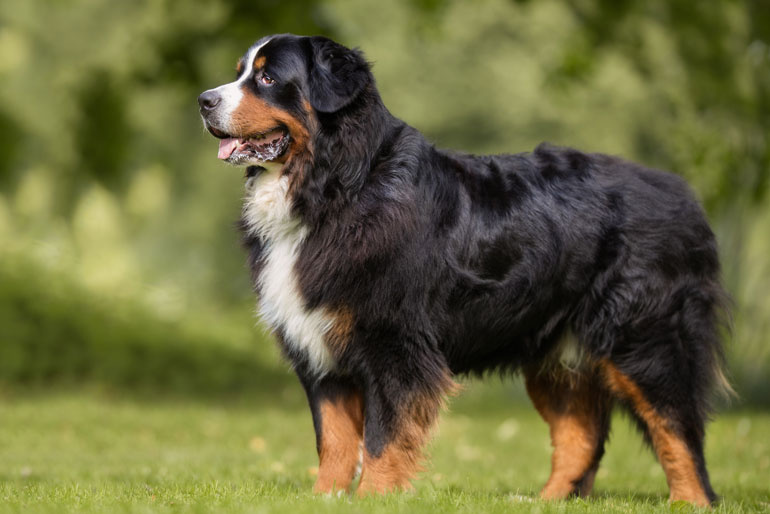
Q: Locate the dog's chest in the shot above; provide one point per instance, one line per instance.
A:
(267, 214)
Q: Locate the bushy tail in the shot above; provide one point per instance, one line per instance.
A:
(719, 332)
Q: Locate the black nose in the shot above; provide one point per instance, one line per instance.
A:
(208, 100)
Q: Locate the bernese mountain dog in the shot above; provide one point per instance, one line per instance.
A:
(386, 267)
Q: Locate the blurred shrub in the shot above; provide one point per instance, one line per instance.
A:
(55, 333)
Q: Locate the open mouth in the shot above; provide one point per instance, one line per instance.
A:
(264, 147)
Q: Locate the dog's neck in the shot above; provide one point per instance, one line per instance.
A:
(347, 146)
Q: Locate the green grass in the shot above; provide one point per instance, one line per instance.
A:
(92, 451)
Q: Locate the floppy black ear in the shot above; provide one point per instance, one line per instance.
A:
(337, 75)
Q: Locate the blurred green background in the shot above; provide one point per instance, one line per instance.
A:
(120, 267)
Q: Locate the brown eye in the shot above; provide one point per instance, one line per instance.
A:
(266, 79)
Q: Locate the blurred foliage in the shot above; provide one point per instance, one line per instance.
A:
(65, 336)
(117, 241)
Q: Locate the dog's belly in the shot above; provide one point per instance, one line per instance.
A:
(267, 213)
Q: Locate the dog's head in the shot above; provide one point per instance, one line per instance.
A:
(270, 112)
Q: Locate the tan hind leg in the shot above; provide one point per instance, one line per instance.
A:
(672, 450)
(577, 410)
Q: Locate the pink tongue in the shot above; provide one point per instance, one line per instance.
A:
(227, 147)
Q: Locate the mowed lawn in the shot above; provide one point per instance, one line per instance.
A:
(96, 452)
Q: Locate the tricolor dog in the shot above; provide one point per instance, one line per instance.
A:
(386, 267)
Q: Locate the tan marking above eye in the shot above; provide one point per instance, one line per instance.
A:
(259, 62)
(239, 67)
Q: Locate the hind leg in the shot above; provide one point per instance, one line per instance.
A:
(673, 422)
(577, 410)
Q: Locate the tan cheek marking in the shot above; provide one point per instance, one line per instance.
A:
(672, 451)
(254, 115)
(342, 423)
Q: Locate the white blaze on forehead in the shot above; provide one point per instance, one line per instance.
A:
(231, 93)
(249, 64)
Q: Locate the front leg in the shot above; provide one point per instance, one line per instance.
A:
(337, 408)
(403, 397)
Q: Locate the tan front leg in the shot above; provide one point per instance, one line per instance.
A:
(341, 436)
(400, 459)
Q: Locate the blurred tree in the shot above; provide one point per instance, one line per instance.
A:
(723, 49)
(107, 178)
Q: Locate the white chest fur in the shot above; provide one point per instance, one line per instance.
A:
(267, 212)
